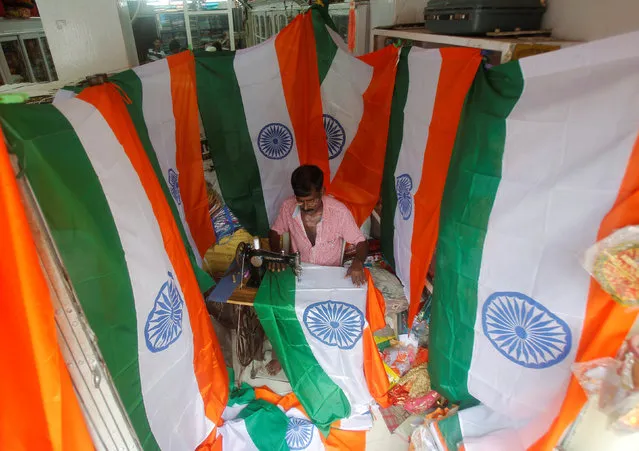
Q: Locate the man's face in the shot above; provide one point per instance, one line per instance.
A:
(312, 203)
(157, 44)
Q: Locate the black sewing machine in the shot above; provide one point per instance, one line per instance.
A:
(250, 256)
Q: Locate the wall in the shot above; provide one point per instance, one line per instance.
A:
(86, 37)
(587, 20)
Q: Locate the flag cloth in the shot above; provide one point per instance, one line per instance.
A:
(321, 330)
(122, 249)
(262, 113)
(430, 89)
(546, 163)
(291, 426)
(39, 407)
(356, 105)
(163, 107)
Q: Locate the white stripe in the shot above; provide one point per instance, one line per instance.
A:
(235, 436)
(423, 69)
(342, 98)
(171, 396)
(157, 108)
(62, 95)
(345, 367)
(568, 142)
(360, 422)
(258, 75)
(314, 444)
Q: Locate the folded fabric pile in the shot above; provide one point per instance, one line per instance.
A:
(259, 419)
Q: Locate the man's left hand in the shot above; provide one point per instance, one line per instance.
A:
(356, 273)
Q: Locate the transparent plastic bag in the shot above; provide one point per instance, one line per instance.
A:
(614, 263)
(616, 383)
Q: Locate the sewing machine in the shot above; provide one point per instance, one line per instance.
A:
(256, 260)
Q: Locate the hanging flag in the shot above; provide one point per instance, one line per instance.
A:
(39, 408)
(163, 107)
(356, 105)
(321, 330)
(122, 249)
(261, 110)
(546, 163)
(430, 89)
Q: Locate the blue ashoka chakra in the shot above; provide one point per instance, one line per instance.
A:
(174, 187)
(334, 323)
(275, 141)
(335, 136)
(164, 324)
(299, 433)
(524, 331)
(403, 187)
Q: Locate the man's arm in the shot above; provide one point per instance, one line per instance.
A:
(352, 234)
(361, 251)
(356, 270)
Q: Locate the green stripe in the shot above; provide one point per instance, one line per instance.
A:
(451, 430)
(78, 215)
(266, 425)
(322, 399)
(132, 86)
(473, 178)
(325, 47)
(393, 145)
(229, 140)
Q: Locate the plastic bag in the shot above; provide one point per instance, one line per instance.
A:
(399, 358)
(614, 263)
(616, 382)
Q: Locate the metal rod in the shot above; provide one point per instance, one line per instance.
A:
(108, 423)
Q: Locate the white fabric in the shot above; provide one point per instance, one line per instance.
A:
(423, 69)
(235, 436)
(315, 443)
(568, 142)
(171, 396)
(360, 422)
(62, 95)
(345, 367)
(342, 95)
(157, 108)
(258, 76)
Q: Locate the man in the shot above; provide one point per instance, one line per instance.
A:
(174, 47)
(156, 53)
(318, 225)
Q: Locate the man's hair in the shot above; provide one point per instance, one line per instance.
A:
(174, 46)
(305, 179)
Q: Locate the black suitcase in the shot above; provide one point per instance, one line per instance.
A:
(478, 17)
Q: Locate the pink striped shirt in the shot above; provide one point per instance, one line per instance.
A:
(337, 225)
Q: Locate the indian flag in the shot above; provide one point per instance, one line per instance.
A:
(122, 249)
(546, 164)
(162, 102)
(430, 89)
(356, 104)
(39, 403)
(262, 113)
(321, 330)
(250, 412)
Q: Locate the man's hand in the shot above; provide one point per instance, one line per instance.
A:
(356, 273)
